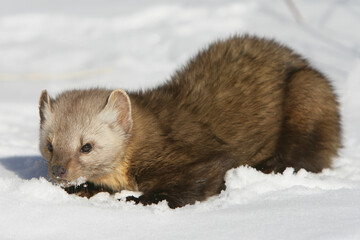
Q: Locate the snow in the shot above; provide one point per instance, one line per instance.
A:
(138, 44)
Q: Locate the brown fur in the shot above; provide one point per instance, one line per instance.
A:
(242, 101)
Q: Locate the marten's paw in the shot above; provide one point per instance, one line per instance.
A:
(155, 198)
(86, 190)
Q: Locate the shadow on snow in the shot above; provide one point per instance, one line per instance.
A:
(26, 167)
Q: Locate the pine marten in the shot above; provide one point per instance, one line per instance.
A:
(241, 101)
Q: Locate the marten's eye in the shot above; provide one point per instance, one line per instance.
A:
(86, 148)
(50, 147)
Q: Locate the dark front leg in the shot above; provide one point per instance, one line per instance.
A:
(183, 184)
(183, 191)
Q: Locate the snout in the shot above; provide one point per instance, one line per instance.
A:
(65, 175)
(58, 171)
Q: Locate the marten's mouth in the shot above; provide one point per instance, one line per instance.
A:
(67, 183)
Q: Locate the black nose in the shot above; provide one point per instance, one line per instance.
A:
(58, 171)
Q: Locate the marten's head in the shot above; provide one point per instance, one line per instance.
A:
(84, 133)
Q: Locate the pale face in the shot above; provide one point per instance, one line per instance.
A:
(84, 151)
(81, 143)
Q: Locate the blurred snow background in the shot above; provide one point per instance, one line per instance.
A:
(58, 45)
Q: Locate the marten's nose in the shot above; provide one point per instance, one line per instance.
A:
(58, 171)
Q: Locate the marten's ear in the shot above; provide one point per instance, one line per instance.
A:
(45, 108)
(119, 102)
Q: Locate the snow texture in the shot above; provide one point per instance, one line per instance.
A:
(58, 45)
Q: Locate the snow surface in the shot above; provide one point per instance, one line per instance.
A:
(58, 45)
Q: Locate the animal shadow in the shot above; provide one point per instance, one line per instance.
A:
(26, 167)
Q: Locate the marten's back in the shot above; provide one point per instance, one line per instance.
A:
(229, 98)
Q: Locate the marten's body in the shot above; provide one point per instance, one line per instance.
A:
(243, 101)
